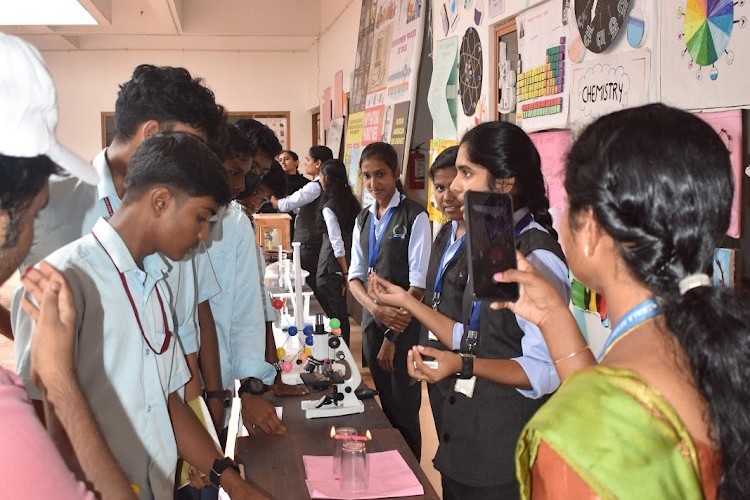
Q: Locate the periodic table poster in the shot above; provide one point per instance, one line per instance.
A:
(542, 85)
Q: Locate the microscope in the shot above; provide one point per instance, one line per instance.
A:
(331, 365)
(325, 361)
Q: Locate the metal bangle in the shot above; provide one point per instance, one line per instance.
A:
(571, 355)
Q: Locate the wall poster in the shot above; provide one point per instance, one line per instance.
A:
(385, 79)
(608, 84)
(704, 53)
(542, 84)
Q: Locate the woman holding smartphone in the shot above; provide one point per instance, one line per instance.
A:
(647, 206)
(505, 369)
(391, 238)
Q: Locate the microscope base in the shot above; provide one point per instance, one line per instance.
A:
(331, 410)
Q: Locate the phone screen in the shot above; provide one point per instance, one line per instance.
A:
(492, 246)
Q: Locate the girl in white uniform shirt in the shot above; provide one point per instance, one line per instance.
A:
(305, 231)
(337, 211)
(391, 239)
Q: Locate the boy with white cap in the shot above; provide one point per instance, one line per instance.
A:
(131, 371)
(155, 99)
(29, 154)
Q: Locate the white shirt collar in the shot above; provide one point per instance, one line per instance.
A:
(106, 187)
(153, 264)
(395, 200)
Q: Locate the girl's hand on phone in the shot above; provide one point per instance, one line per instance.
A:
(538, 299)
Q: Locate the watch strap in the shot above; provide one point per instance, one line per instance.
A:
(218, 467)
(391, 335)
(224, 395)
(467, 366)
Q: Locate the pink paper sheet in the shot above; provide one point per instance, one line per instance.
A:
(390, 476)
(728, 124)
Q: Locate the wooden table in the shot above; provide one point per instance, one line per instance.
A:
(274, 463)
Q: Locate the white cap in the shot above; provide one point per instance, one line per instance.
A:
(28, 109)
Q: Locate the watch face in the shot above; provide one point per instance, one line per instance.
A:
(255, 385)
(599, 22)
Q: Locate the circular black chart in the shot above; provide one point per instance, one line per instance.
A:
(600, 22)
(470, 71)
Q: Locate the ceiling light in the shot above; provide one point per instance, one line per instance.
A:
(43, 12)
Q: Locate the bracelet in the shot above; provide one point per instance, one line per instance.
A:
(571, 355)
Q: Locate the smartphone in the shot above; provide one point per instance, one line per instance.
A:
(492, 243)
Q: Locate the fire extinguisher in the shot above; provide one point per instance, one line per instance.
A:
(416, 167)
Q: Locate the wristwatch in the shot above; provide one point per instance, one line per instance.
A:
(224, 396)
(252, 385)
(467, 366)
(391, 335)
(219, 466)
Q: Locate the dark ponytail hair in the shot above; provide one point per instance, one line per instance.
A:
(506, 151)
(659, 182)
(337, 196)
(321, 153)
(382, 151)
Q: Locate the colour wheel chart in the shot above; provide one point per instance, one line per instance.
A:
(707, 32)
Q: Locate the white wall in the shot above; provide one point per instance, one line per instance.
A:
(87, 81)
(87, 84)
(336, 49)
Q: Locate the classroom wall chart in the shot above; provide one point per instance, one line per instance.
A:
(443, 93)
(542, 83)
(705, 53)
(609, 84)
(385, 79)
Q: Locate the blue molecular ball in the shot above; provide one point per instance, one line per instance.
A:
(308, 330)
(292, 331)
(309, 340)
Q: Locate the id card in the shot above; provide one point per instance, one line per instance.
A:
(465, 386)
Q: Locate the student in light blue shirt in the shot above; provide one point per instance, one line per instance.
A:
(156, 98)
(258, 190)
(128, 361)
(238, 310)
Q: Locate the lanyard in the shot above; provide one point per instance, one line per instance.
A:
(110, 210)
(643, 312)
(374, 243)
(444, 263)
(472, 336)
(168, 336)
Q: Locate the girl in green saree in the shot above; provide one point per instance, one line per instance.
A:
(666, 412)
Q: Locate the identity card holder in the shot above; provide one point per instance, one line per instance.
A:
(465, 386)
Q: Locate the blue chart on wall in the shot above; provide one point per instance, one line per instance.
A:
(470, 71)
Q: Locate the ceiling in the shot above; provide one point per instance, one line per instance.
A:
(218, 25)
